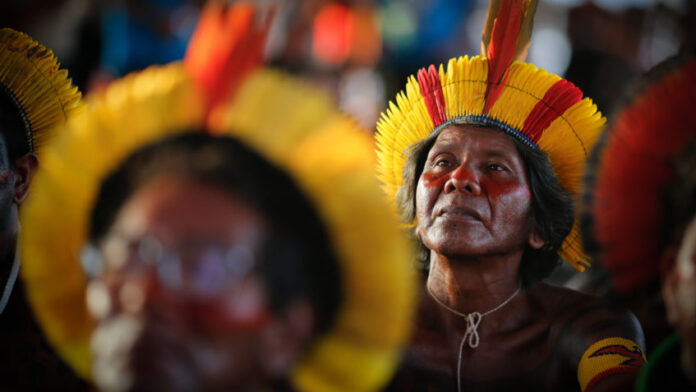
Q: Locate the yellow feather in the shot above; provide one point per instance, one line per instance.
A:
(526, 86)
(32, 74)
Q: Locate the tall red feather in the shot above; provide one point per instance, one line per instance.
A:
(502, 48)
(225, 47)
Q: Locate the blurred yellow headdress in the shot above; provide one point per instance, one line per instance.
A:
(31, 76)
(297, 129)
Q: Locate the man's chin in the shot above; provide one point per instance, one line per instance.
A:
(456, 246)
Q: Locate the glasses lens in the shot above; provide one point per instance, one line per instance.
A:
(200, 268)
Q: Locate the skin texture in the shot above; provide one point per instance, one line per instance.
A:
(473, 213)
(679, 292)
(473, 207)
(152, 337)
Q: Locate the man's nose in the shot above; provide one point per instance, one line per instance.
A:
(463, 180)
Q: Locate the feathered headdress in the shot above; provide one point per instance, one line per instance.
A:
(293, 126)
(624, 217)
(542, 110)
(30, 74)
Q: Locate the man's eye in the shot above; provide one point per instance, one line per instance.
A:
(494, 167)
(442, 163)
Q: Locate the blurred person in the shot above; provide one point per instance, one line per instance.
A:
(639, 214)
(231, 231)
(482, 159)
(36, 95)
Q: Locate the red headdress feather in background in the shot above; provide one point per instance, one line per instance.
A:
(227, 45)
(624, 219)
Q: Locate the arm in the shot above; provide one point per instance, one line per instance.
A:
(608, 351)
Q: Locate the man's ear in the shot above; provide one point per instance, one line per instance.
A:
(24, 170)
(536, 241)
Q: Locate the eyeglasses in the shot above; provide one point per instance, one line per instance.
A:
(199, 267)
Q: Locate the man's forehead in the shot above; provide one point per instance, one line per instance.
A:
(479, 138)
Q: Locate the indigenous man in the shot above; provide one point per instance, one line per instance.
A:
(483, 159)
(640, 211)
(35, 96)
(253, 251)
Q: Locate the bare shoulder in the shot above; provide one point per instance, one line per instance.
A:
(584, 316)
(601, 340)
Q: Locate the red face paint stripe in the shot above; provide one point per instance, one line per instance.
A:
(431, 89)
(556, 101)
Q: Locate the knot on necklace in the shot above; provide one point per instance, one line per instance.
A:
(473, 320)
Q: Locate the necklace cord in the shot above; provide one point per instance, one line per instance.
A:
(473, 320)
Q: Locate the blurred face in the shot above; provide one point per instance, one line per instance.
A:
(177, 301)
(472, 198)
(679, 291)
(8, 208)
(14, 186)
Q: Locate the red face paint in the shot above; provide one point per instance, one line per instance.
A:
(462, 174)
(488, 211)
(434, 180)
(497, 190)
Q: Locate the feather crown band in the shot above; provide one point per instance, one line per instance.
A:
(31, 75)
(543, 110)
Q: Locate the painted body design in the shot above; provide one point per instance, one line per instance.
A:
(543, 340)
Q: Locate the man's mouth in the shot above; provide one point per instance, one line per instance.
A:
(459, 212)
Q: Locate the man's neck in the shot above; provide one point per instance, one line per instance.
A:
(473, 285)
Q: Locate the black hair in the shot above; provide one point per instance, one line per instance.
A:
(552, 206)
(12, 126)
(297, 259)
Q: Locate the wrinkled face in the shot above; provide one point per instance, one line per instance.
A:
(178, 303)
(472, 198)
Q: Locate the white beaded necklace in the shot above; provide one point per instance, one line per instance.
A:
(473, 320)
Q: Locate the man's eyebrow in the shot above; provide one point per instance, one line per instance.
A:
(496, 153)
(443, 146)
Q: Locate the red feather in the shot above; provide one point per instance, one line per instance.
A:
(431, 89)
(225, 47)
(502, 48)
(635, 165)
(562, 95)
